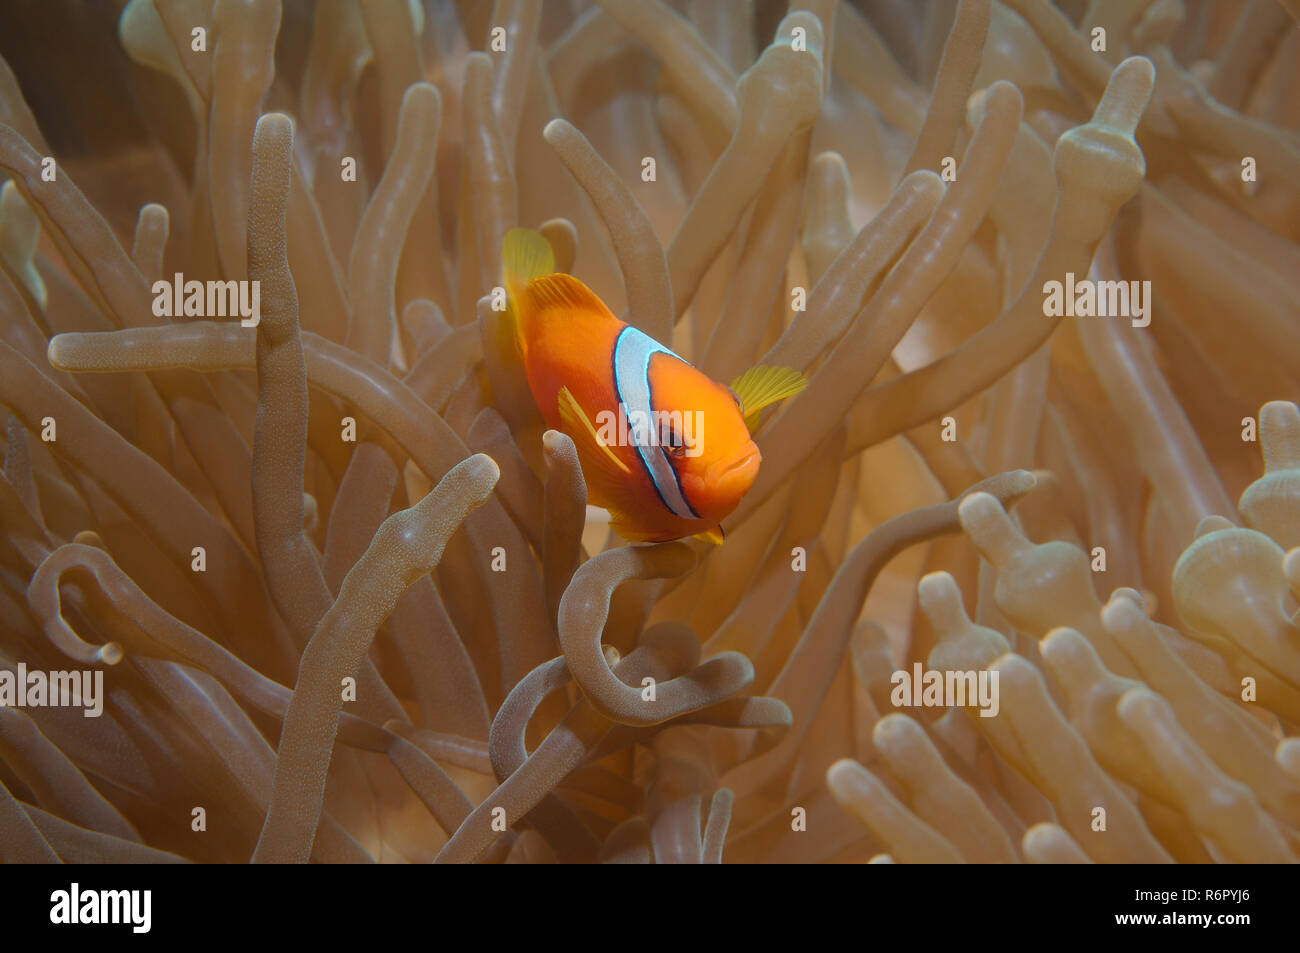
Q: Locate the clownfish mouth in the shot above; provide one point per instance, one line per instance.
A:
(733, 477)
(744, 461)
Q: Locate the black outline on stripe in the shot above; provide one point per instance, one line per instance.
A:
(640, 451)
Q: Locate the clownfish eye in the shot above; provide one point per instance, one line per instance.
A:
(671, 440)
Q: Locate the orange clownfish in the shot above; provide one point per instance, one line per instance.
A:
(663, 447)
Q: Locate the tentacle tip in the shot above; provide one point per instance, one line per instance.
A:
(1066, 645)
(1279, 432)
(1212, 524)
(925, 182)
(937, 587)
(1003, 90)
(422, 90)
(274, 122)
(1013, 669)
(813, 32)
(783, 715)
(1291, 566)
(56, 351)
(1126, 96)
(1121, 612)
(840, 770)
(893, 728)
(985, 521)
(482, 467)
(941, 601)
(557, 129)
(1023, 481)
(1129, 593)
(1287, 756)
(1140, 704)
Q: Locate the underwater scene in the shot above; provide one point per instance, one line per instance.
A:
(649, 432)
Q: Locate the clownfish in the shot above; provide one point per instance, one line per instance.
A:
(663, 447)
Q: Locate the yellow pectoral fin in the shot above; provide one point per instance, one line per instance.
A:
(583, 432)
(762, 385)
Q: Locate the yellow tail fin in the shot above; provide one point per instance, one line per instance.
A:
(525, 255)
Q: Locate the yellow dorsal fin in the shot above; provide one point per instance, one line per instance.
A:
(762, 385)
(564, 291)
(525, 255)
(585, 438)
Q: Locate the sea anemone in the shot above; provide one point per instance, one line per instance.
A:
(343, 588)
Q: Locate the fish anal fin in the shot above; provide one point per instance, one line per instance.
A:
(713, 535)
